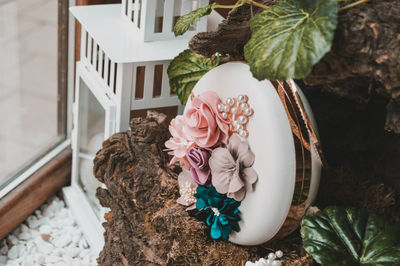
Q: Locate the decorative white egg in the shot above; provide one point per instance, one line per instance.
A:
(270, 209)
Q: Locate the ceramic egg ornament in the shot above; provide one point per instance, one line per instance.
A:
(286, 159)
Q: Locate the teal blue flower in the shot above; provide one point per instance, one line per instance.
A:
(217, 211)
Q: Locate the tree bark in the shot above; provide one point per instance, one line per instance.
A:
(145, 225)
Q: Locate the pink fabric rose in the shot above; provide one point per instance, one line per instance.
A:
(203, 122)
(179, 143)
(198, 159)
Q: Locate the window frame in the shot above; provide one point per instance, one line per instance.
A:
(50, 172)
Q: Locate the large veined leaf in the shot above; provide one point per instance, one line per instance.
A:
(290, 37)
(185, 70)
(339, 236)
(184, 22)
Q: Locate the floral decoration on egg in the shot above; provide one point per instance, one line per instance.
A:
(209, 142)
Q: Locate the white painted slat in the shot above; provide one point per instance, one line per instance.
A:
(148, 18)
(168, 17)
(83, 43)
(94, 55)
(155, 103)
(148, 81)
(165, 89)
(101, 54)
(106, 61)
(112, 75)
(137, 7)
(90, 40)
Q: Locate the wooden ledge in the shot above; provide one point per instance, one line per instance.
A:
(17, 205)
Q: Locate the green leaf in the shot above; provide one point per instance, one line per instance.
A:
(290, 37)
(184, 22)
(184, 72)
(339, 236)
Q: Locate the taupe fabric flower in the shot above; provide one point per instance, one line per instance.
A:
(231, 168)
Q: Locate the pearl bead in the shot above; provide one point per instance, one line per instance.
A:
(220, 107)
(242, 120)
(279, 253)
(226, 108)
(230, 101)
(234, 110)
(242, 98)
(276, 263)
(244, 106)
(243, 133)
(248, 111)
(238, 127)
(271, 256)
(224, 115)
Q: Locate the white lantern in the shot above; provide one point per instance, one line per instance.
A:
(117, 72)
(154, 20)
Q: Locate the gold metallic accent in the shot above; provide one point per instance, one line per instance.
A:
(301, 137)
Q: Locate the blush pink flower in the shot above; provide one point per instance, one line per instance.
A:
(203, 122)
(179, 143)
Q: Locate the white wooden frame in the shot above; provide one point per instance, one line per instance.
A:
(74, 195)
(143, 14)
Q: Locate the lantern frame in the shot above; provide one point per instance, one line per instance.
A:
(112, 54)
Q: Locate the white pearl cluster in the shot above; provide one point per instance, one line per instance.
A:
(238, 111)
(272, 260)
(187, 191)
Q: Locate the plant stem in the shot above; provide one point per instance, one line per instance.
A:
(359, 2)
(254, 3)
(238, 4)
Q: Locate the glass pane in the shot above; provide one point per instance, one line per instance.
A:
(91, 136)
(28, 84)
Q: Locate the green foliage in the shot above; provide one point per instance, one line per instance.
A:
(290, 37)
(184, 22)
(184, 72)
(339, 236)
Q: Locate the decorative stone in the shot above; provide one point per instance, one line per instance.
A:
(279, 253)
(63, 241)
(271, 256)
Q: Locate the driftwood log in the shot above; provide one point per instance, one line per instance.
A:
(145, 225)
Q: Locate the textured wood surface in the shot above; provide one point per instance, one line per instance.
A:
(145, 225)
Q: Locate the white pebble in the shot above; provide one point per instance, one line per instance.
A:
(45, 229)
(279, 253)
(63, 241)
(3, 260)
(24, 228)
(271, 256)
(13, 253)
(83, 243)
(25, 236)
(4, 250)
(52, 259)
(32, 222)
(13, 239)
(39, 258)
(276, 263)
(45, 248)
